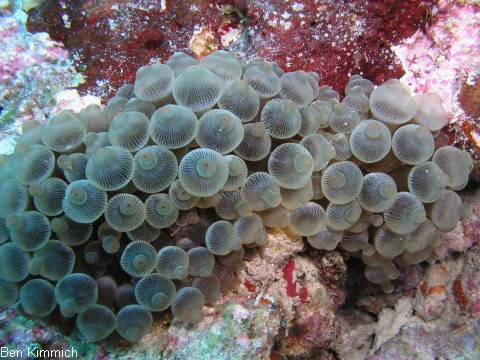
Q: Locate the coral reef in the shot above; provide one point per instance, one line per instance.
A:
(144, 243)
(293, 307)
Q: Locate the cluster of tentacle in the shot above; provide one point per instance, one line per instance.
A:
(150, 203)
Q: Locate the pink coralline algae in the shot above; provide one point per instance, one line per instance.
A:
(34, 71)
(444, 59)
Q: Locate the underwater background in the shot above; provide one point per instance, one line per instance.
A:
(287, 299)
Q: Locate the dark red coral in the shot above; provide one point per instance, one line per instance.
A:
(335, 38)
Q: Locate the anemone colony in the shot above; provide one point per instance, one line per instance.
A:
(150, 203)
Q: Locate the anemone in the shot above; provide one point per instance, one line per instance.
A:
(155, 292)
(31, 131)
(197, 88)
(343, 119)
(179, 62)
(29, 230)
(405, 214)
(342, 216)
(308, 219)
(356, 80)
(94, 255)
(53, 261)
(33, 163)
(125, 212)
(203, 172)
(144, 232)
(222, 64)
(140, 106)
(183, 213)
(274, 217)
(263, 80)
(250, 229)
(126, 91)
(312, 120)
(256, 142)
(230, 205)
(75, 293)
(424, 235)
(294, 198)
(133, 322)
(154, 83)
(138, 259)
(378, 192)
(247, 109)
(115, 106)
(63, 133)
(125, 296)
(173, 126)
(96, 323)
(219, 130)
(295, 86)
(342, 182)
(261, 191)
(412, 144)
(281, 118)
(4, 232)
(74, 165)
(110, 168)
(48, 195)
(14, 263)
(237, 172)
(220, 238)
(172, 262)
(377, 275)
(107, 289)
(456, 164)
(326, 93)
(37, 297)
(155, 169)
(188, 305)
(325, 239)
(448, 210)
(92, 141)
(290, 165)
(201, 262)
(391, 103)
(180, 198)
(71, 232)
(160, 211)
(320, 150)
(14, 198)
(388, 243)
(370, 141)
(129, 130)
(341, 146)
(375, 259)
(8, 293)
(427, 181)
(357, 100)
(430, 112)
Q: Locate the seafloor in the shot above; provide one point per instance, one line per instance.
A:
(288, 303)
